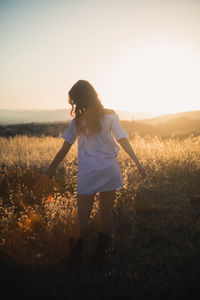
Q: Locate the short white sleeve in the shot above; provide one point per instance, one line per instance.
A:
(69, 135)
(117, 131)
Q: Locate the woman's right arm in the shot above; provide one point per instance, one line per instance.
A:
(52, 167)
(129, 150)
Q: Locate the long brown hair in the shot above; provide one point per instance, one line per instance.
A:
(86, 106)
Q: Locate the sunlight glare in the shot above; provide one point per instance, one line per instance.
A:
(155, 77)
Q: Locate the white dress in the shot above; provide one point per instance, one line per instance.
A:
(98, 168)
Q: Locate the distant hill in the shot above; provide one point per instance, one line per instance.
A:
(53, 122)
(37, 116)
(181, 127)
(49, 116)
(193, 115)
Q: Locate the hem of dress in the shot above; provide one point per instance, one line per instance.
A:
(101, 191)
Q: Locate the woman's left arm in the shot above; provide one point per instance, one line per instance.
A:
(129, 150)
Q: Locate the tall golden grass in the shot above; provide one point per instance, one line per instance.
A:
(36, 225)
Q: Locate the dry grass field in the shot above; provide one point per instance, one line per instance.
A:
(155, 247)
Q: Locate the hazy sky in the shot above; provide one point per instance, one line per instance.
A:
(139, 55)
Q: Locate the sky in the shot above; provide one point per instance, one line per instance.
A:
(141, 56)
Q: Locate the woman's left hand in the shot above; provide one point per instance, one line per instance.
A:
(142, 171)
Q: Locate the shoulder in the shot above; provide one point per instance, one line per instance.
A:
(71, 124)
(111, 116)
(73, 121)
(109, 111)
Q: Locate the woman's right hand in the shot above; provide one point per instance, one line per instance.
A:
(42, 181)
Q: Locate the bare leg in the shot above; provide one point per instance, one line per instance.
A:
(85, 204)
(106, 212)
(105, 225)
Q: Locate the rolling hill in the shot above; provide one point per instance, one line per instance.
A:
(37, 123)
(60, 115)
(193, 115)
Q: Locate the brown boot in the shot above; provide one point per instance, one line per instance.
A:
(102, 243)
(74, 263)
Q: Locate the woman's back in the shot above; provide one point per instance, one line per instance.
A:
(100, 144)
(98, 169)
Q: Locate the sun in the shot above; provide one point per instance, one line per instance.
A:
(157, 77)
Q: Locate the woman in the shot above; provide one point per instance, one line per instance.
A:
(98, 169)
